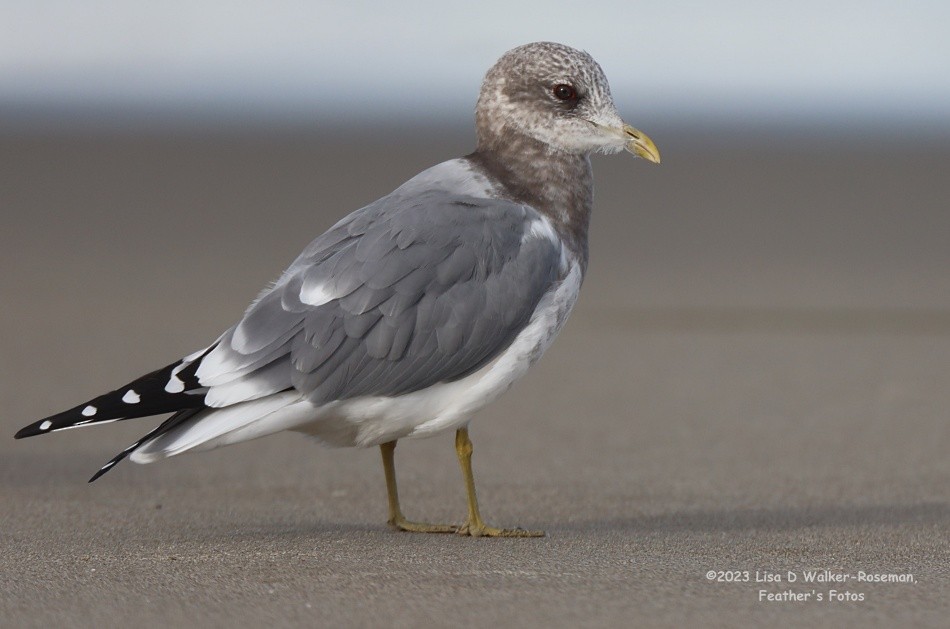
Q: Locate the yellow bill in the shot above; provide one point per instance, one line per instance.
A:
(641, 145)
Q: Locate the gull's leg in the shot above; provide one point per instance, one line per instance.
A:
(396, 518)
(475, 526)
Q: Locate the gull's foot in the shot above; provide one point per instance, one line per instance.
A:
(480, 529)
(402, 524)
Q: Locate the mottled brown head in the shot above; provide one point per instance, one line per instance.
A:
(558, 96)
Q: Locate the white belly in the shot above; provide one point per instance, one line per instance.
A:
(369, 421)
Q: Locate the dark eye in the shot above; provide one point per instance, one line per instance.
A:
(562, 91)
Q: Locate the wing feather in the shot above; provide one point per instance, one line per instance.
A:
(397, 297)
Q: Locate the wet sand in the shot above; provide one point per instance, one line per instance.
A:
(755, 379)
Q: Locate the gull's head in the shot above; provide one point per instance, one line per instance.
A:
(558, 96)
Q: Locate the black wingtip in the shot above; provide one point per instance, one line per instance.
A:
(168, 424)
(108, 466)
(100, 473)
(28, 431)
(149, 398)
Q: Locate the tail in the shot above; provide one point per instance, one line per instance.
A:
(171, 389)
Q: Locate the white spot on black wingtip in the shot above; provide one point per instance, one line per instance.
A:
(175, 384)
(45, 425)
(131, 397)
(89, 411)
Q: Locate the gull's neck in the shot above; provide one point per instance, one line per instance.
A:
(560, 185)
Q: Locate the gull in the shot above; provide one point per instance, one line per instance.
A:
(414, 312)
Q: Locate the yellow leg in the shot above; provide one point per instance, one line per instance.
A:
(475, 526)
(396, 518)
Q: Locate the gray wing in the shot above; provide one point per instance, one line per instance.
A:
(403, 294)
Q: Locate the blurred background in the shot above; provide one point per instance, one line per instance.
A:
(104, 62)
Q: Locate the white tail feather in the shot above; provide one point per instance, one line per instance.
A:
(216, 427)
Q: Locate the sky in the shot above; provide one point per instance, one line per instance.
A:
(806, 59)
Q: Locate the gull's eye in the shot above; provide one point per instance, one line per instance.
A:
(563, 91)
